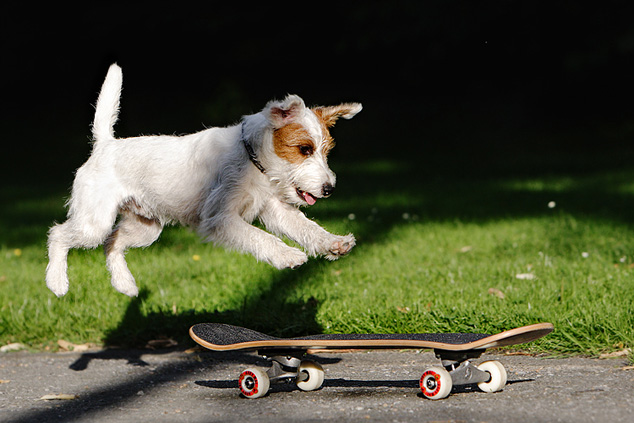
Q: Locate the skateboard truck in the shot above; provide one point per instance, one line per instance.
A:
(459, 366)
(285, 365)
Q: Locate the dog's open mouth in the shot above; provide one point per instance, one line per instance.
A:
(306, 196)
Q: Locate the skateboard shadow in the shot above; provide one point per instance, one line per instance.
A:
(511, 382)
(347, 383)
(351, 383)
(328, 383)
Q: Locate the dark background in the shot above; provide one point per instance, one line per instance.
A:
(473, 87)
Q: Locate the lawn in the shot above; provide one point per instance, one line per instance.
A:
(440, 248)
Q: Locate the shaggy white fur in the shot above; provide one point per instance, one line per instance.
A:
(217, 181)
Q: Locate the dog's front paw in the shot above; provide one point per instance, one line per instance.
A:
(291, 258)
(340, 247)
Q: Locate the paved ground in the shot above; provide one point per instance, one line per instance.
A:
(173, 386)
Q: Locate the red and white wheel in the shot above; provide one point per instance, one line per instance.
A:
(436, 383)
(254, 383)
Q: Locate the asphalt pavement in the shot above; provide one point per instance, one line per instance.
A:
(200, 386)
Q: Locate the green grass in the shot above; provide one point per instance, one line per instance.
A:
(433, 255)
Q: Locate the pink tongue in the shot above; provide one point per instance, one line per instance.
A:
(309, 198)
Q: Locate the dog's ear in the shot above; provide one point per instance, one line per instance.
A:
(281, 113)
(330, 114)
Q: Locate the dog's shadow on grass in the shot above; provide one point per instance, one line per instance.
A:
(139, 334)
(269, 312)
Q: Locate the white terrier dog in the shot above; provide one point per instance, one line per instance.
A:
(216, 181)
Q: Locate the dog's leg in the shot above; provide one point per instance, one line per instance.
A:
(132, 231)
(233, 232)
(283, 219)
(71, 234)
(59, 242)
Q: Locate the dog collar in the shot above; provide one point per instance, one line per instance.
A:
(251, 153)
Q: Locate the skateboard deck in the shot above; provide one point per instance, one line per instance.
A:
(454, 349)
(222, 337)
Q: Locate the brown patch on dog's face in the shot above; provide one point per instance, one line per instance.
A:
(328, 141)
(293, 143)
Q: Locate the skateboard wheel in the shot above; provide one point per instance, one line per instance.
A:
(436, 383)
(498, 376)
(310, 376)
(254, 383)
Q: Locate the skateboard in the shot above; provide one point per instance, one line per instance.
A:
(455, 350)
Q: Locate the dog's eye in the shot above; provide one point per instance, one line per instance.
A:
(306, 150)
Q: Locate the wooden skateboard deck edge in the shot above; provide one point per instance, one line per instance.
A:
(510, 337)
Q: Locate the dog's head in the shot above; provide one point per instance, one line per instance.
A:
(296, 152)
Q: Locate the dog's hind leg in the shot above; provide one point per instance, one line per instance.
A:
(132, 231)
(90, 220)
(71, 234)
(59, 242)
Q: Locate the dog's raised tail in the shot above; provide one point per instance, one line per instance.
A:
(107, 108)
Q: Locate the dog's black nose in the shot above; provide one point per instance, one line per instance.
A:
(327, 189)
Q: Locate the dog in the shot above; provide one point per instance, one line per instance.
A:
(217, 181)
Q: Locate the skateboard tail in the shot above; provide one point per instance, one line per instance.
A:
(517, 336)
